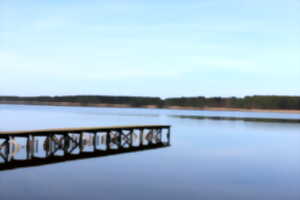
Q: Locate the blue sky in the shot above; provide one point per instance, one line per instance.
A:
(150, 48)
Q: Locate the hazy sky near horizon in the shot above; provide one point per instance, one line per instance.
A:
(150, 48)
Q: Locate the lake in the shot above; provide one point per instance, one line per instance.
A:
(209, 157)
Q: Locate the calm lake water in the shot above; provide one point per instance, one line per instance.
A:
(207, 159)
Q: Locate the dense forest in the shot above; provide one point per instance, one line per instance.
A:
(86, 100)
(248, 102)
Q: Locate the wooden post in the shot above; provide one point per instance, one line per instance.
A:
(168, 136)
(66, 144)
(95, 141)
(28, 147)
(36, 146)
(131, 137)
(80, 142)
(150, 136)
(32, 146)
(53, 144)
(120, 134)
(108, 140)
(141, 137)
(7, 149)
(159, 136)
(48, 146)
(12, 147)
(98, 140)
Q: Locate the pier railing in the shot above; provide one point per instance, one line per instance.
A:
(39, 147)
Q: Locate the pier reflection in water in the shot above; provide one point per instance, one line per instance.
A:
(39, 149)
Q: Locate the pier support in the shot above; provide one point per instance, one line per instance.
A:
(61, 143)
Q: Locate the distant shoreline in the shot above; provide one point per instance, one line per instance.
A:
(235, 109)
(73, 104)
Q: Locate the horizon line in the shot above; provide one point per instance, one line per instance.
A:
(146, 96)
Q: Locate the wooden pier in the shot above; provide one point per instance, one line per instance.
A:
(39, 147)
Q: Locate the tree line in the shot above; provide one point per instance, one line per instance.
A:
(248, 102)
(88, 99)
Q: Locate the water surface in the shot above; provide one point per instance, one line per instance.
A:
(207, 159)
